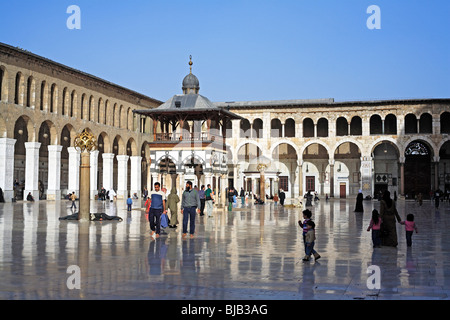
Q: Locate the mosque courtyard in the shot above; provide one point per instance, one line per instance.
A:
(250, 253)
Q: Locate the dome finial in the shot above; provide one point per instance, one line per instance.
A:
(190, 63)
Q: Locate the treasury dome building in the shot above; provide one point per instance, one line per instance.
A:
(334, 148)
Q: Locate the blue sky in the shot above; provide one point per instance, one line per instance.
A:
(246, 49)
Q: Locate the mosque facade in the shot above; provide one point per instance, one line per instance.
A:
(332, 148)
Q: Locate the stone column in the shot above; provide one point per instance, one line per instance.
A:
(331, 162)
(54, 173)
(262, 184)
(402, 176)
(366, 176)
(94, 173)
(136, 175)
(32, 169)
(108, 170)
(74, 170)
(300, 179)
(85, 188)
(122, 176)
(7, 168)
(223, 187)
(436, 172)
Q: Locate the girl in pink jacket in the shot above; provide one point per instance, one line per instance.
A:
(410, 226)
(375, 225)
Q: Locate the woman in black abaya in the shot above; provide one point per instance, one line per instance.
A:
(388, 214)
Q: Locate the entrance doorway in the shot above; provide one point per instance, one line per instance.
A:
(310, 184)
(342, 190)
(417, 170)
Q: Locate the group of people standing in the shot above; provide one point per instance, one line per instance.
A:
(193, 201)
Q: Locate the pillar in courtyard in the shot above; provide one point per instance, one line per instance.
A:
(108, 170)
(331, 162)
(86, 143)
(436, 172)
(74, 170)
(122, 176)
(32, 169)
(136, 177)
(94, 172)
(262, 181)
(366, 176)
(7, 167)
(54, 173)
(402, 176)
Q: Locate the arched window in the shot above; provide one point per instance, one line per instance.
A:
(322, 128)
(244, 129)
(275, 128)
(445, 122)
(2, 75)
(258, 128)
(356, 126)
(376, 124)
(426, 123)
(44, 97)
(18, 93)
(53, 97)
(30, 92)
(390, 124)
(308, 128)
(341, 126)
(410, 123)
(289, 128)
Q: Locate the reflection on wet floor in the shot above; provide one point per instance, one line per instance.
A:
(253, 252)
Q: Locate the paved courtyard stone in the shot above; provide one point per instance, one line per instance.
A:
(251, 253)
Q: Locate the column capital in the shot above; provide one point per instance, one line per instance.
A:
(108, 156)
(32, 145)
(122, 157)
(54, 148)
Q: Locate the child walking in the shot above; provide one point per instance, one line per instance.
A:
(375, 225)
(410, 226)
(306, 217)
(310, 238)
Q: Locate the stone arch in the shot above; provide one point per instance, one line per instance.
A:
(54, 97)
(285, 141)
(356, 126)
(308, 128)
(121, 117)
(100, 112)
(65, 102)
(104, 143)
(108, 113)
(29, 126)
(170, 157)
(91, 108)
(244, 142)
(115, 114)
(445, 122)
(19, 89)
(322, 127)
(130, 119)
(423, 139)
(4, 94)
(84, 107)
(349, 140)
(119, 146)
(382, 140)
(53, 137)
(132, 147)
(189, 157)
(73, 112)
(43, 104)
(315, 141)
(341, 126)
(31, 92)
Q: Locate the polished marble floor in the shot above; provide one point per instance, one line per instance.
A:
(252, 253)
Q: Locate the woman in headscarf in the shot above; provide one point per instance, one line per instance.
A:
(172, 204)
(388, 214)
(359, 202)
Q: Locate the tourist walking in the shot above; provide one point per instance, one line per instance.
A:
(209, 200)
(129, 203)
(73, 198)
(242, 195)
(310, 239)
(201, 194)
(157, 199)
(410, 227)
(375, 226)
(190, 202)
(172, 204)
(309, 198)
(307, 214)
(389, 215)
(420, 199)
